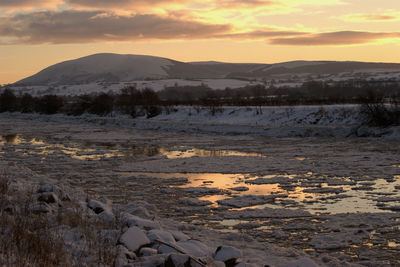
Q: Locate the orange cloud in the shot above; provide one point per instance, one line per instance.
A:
(259, 34)
(335, 38)
(117, 4)
(389, 16)
(96, 26)
(28, 3)
(243, 3)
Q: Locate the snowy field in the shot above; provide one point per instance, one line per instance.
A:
(156, 85)
(159, 84)
(295, 194)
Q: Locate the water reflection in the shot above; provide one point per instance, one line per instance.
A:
(182, 152)
(313, 192)
(93, 151)
(303, 191)
(10, 138)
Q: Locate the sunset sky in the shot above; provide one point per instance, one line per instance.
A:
(37, 33)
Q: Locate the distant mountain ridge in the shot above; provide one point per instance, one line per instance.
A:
(125, 68)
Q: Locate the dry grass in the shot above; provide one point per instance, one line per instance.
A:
(31, 238)
(27, 238)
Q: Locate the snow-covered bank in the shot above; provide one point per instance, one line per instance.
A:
(282, 121)
(82, 231)
(323, 199)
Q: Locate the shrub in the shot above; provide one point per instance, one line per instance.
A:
(102, 104)
(152, 111)
(381, 114)
(50, 104)
(27, 103)
(8, 101)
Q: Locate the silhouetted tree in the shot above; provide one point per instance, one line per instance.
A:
(128, 99)
(80, 105)
(102, 104)
(49, 104)
(8, 101)
(27, 103)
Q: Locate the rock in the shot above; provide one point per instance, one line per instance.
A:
(201, 190)
(107, 216)
(45, 188)
(239, 188)
(132, 220)
(150, 261)
(147, 251)
(279, 234)
(195, 248)
(97, 206)
(194, 202)
(41, 207)
(48, 197)
(303, 262)
(161, 235)
(164, 249)
(134, 238)
(179, 236)
(219, 264)
(227, 253)
(123, 255)
(177, 260)
(241, 264)
(57, 190)
(102, 209)
(140, 208)
(249, 200)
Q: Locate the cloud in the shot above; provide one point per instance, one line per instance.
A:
(243, 3)
(335, 38)
(28, 3)
(116, 4)
(389, 16)
(259, 34)
(95, 26)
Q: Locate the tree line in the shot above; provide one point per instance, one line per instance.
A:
(146, 102)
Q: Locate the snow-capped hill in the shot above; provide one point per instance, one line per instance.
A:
(115, 68)
(102, 67)
(295, 64)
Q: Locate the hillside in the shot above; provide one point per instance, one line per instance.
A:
(115, 68)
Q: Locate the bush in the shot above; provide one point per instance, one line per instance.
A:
(79, 105)
(27, 103)
(381, 114)
(50, 104)
(8, 101)
(102, 104)
(152, 111)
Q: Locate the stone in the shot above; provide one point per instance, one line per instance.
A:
(227, 253)
(161, 235)
(195, 248)
(147, 251)
(177, 260)
(48, 197)
(132, 220)
(134, 238)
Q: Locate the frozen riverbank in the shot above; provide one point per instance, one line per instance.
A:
(58, 225)
(277, 200)
(338, 121)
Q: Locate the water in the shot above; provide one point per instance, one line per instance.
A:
(77, 151)
(315, 192)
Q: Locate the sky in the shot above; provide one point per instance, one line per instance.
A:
(35, 34)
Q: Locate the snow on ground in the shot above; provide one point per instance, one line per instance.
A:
(222, 180)
(281, 121)
(159, 84)
(156, 85)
